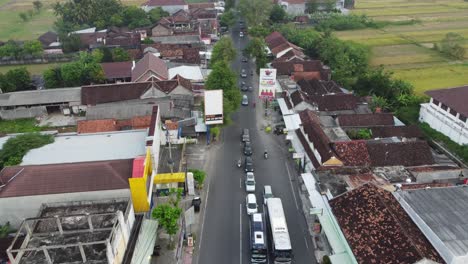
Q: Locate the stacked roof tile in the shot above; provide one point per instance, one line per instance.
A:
(353, 153)
(366, 120)
(378, 229)
(412, 153)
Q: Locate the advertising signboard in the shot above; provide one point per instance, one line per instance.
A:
(267, 83)
(213, 107)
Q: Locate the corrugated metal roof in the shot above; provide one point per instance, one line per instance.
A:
(445, 212)
(146, 241)
(49, 96)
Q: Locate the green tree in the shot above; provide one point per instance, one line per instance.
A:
(223, 50)
(10, 49)
(5, 85)
(260, 31)
(256, 49)
(119, 54)
(228, 19)
(222, 77)
(18, 79)
(87, 13)
(24, 16)
(167, 216)
(53, 78)
(33, 47)
(256, 12)
(37, 6)
(156, 14)
(229, 4)
(15, 148)
(106, 54)
(135, 17)
(199, 175)
(312, 6)
(452, 45)
(147, 41)
(379, 102)
(278, 14)
(71, 43)
(5, 230)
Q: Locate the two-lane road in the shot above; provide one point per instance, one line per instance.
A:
(225, 231)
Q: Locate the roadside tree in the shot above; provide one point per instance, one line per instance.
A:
(223, 50)
(37, 6)
(156, 14)
(278, 14)
(228, 19)
(256, 12)
(167, 216)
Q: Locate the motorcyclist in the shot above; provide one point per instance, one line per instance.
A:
(239, 162)
(265, 154)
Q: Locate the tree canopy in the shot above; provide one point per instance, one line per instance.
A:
(256, 49)
(223, 50)
(17, 51)
(18, 79)
(278, 14)
(84, 71)
(15, 148)
(228, 19)
(256, 12)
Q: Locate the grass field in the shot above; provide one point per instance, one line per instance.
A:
(407, 49)
(32, 68)
(12, 27)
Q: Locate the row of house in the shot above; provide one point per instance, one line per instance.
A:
(379, 192)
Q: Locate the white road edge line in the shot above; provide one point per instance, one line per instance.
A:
(290, 183)
(204, 214)
(240, 232)
(240, 183)
(307, 244)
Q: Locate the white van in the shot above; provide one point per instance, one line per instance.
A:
(251, 204)
(267, 193)
(245, 100)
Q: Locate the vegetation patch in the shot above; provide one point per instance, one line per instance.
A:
(25, 125)
(17, 147)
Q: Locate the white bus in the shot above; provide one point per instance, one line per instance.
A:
(280, 244)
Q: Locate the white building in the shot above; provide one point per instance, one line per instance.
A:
(170, 6)
(447, 112)
(293, 7)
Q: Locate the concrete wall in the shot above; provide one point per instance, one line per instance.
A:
(444, 122)
(430, 176)
(15, 209)
(23, 112)
(171, 9)
(296, 9)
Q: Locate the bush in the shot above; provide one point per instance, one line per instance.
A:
(214, 131)
(198, 175)
(363, 133)
(326, 260)
(346, 22)
(459, 150)
(15, 148)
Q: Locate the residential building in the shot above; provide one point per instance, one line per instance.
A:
(308, 70)
(293, 7)
(441, 214)
(49, 40)
(378, 229)
(282, 49)
(447, 112)
(26, 187)
(109, 125)
(148, 68)
(170, 6)
(115, 72)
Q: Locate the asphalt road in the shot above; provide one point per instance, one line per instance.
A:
(225, 232)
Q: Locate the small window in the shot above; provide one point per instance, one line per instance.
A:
(434, 101)
(444, 107)
(462, 118)
(453, 112)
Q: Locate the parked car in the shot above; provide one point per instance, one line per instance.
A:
(248, 164)
(247, 149)
(244, 59)
(245, 100)
(243, 73)
(244, 88)
(251, 204)
(241, 34)
(245, 135)
(249, 182)
(267, 193)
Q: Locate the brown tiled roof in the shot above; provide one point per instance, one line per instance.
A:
(293, 2)
(94, 126)
(455, 98)
(201, 5)
(378, 229)
(135, 54)
(280, 48)
(106, 93)
(275, 39)
(191, 55)
(154, 116)
(411, 131)
(413, 153)
(65, 178)
(301, 19)
(88, 39)
(150, 62)
(288, 67)
(48, 38)
(298, 97)
(121, 69)
(183, 82)
(311, 124)
(366, 120)
(164, 2)
(286, 100)
(352, 153)
(334, 102)
(318, 87)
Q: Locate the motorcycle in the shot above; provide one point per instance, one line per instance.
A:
(239, 163)
(265, 155)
